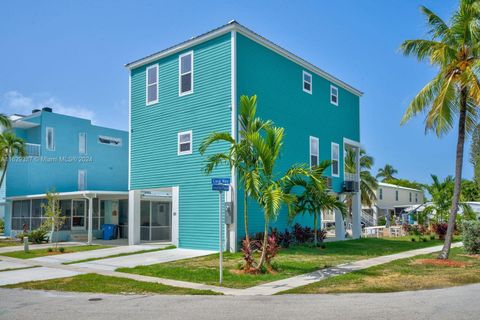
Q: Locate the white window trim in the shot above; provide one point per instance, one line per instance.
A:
(310, 150)
(181, 153)
(333, 144)
(84, 180)
(149, 103)
(79, 135)
(180, 93)
(53, 139)
(303, 82)
(331, 95)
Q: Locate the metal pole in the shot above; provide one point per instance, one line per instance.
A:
(220, 234)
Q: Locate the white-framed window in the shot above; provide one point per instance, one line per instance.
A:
(307, 82)
(82, 180)
(410, 197)
(50, 139)
(314, 151)
(396, 195)
(185, 73)
(416, 197)
(185, 142)
(380, 193)
(335, 159)
(82, 143)
(333, 95)
(152, 84)
(111, 141)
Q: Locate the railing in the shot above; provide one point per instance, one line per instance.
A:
(33, 150)
(367, 219)
(351, 177)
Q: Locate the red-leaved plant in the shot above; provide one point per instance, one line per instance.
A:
(440, 229)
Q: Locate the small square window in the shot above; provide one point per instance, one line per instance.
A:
(307, 82)
(185, 143)
(334, 95)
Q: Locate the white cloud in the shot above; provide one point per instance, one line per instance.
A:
(16, 102)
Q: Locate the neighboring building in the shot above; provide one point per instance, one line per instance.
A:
(391, 202)
(180, 95)
(86, 164)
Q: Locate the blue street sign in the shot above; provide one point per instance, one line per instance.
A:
(220, 184)
(221, 181)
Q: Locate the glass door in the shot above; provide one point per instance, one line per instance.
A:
(155, 221)
(78, 214)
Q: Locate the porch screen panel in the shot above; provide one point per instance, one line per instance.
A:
(145, 220)
(21, 215)
(66, 209)
(161, 222)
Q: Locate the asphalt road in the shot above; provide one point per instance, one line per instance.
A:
(453, 303)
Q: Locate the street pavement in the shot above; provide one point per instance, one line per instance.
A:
(442, 304)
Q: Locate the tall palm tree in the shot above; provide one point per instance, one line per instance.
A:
(455, 91)
(315, 196)
(387, 172)
(368, 183)
(10, 146)
(272, 193)
(239, 155)
(4, 121)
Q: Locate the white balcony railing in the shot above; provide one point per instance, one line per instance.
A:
(33, 150)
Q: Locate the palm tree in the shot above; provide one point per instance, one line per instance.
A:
(315, 196)
(239, 156)
(272, 190)
(387, 172)
(441, 192)
(455, 90)
(10, 146)
(368, 183)
(4, 121)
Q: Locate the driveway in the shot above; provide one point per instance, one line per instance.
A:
(457, 303)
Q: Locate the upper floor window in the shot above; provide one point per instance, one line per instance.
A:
(335, 159)
(307, 82)
(50, 139)
(82, 143)
(396, 195)
(82, 180)
(410, 197)
(152, 84)
(185, 73)
(334, 95)
(416, 197)
(380, 193)
(185, 143)
(117, 142)
(314, 148)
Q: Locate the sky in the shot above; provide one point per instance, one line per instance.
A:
(70, 55)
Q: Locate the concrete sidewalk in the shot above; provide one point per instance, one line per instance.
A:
(40, 246)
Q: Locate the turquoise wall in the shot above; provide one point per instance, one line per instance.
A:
(154, 159)
(277, 82)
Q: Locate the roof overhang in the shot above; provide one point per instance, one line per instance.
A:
(24, 124)
(76, 195)
(235, 26)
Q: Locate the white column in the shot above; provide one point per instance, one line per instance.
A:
(339, 227)
(356, 216)
(133, 217)
(175, 215)
(375, 215)
(90, 219)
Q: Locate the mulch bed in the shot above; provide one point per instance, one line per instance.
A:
(442, 263)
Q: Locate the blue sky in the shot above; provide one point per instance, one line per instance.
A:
(71, 54)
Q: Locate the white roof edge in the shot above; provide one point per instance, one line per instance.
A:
(72, 193)
(235, 26)
(397, 186)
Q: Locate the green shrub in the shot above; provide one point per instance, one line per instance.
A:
(471, 237)
(37, 236)
(50, 250)
(382, 221)
(2, 225)
(61, 249)
(413, 239)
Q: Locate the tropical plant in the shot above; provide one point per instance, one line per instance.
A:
(2, 225)
(387, 172)
(10, 146)
(4, 121)
(471, 237)
(405, 183)
(475, 155)
(272, 193)
(368, 183)
(239, 156)
(315, 196)
(54, 220)
(470, 191)
(441, 192)
(455, 90)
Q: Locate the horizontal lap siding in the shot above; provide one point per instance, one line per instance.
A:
(277, 82)
(154, 159)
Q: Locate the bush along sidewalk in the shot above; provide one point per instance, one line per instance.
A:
(471, 237)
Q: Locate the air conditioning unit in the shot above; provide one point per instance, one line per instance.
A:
(350, 186)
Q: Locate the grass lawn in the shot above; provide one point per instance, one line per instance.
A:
(9, 243)
(106, 284)
(120, 255)
(289, 262)
(402, 275)
(44, 252)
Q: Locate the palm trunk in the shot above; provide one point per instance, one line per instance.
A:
(315, 229)
(458, 176)
(4, 171)
(245, 215)
(264, 244)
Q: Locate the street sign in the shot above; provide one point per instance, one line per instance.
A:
(216, 181)
(220, 184)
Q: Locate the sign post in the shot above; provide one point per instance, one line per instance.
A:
(220, 185)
